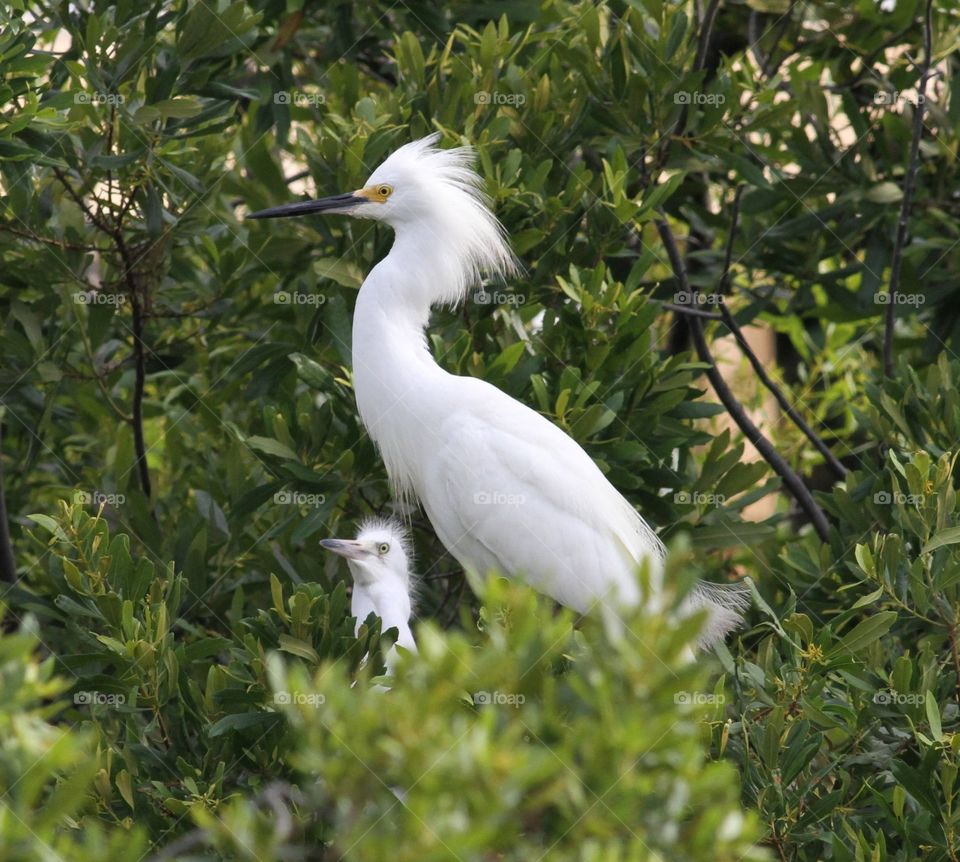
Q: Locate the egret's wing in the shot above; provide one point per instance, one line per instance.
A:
(511, 491)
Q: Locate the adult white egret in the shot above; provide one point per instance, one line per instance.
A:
(504, 488)
(379, 560)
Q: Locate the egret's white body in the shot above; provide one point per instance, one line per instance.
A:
(379, 560)
(505, 489)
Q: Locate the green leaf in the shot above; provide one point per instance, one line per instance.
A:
(884, 193)
(508, 358)
(343, 272)
(260, 721)
(297, 647)
(50, 525)
(864, 634)
(949, 536)
(269, 446)
(933, 715)
(125, 786)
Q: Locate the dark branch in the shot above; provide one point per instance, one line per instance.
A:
(115, 232)
(791, 480)
(693, 312)
(767, 66)
(703, 47)
(706, 33)
(909, 182)
(839, 470)
(140, 366)
(94, 218)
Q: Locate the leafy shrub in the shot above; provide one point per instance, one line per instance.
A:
(182, 377)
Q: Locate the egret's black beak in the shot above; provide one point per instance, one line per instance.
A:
(335, 203)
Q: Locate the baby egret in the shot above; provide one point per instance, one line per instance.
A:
(505, 489)
(379, 561)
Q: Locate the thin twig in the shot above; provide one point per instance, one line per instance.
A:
(866, 63)
(790, 478)
(46, 240)
(909, 182)
(79, 201)
(755, 362)
(768, 67)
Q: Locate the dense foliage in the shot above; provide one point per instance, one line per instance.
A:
(179, 674)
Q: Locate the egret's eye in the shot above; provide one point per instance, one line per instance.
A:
(384, 190)
(384, 547)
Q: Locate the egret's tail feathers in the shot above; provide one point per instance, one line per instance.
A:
(725, 605)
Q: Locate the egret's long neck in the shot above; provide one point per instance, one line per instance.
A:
(393, 369)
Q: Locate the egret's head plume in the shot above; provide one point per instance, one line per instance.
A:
(381, 552)
(437, 204)
(434, 200)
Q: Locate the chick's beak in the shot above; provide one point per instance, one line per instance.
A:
(345, 548)
(334, 204)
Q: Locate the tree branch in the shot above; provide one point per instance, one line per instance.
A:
(766, 64)
(790, 479)
(839, 470)
(115, 232)
(140, 369)
(46, 240)
(706, 33)
(703, 46)
(909, 182)
(80, 202)
(693, 312)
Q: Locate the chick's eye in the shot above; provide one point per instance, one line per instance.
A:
(384, 547)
